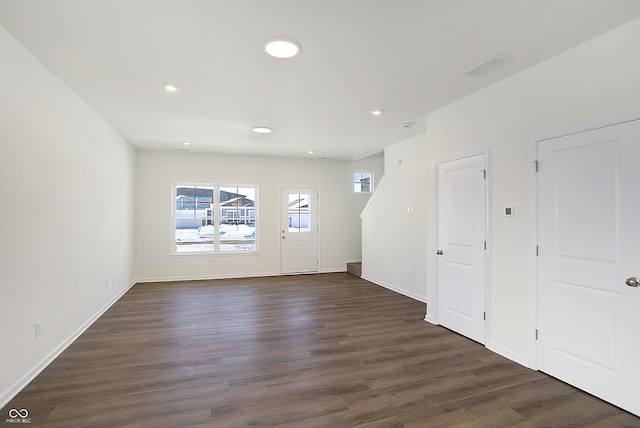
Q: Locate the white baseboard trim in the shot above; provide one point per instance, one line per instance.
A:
(230, 276)
(205, 277)
(515, 357)
(428, 318)
(26, 379)
(333, 270)
(354, 260)
(410, 294)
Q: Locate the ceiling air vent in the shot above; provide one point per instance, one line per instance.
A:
(488, 64)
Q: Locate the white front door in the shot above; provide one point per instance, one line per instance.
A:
(461, 246)
(298, 230)
(589, 252)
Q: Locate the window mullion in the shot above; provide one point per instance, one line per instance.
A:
(217, 215)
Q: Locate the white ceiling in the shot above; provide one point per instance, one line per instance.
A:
(407, 57)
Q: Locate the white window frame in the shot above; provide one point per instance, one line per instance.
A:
(216, 220)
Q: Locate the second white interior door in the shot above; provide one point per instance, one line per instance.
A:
(589, 261)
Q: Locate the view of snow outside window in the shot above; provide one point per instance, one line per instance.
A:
(210, 219)
(363, 182)
(299, 213)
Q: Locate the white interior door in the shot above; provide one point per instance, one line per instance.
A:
(589, 245)
(298, 230)
(461, 246)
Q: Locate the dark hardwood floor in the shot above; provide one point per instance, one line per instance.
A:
(328, 350)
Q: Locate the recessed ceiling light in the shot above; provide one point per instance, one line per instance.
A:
(186, 143)
(262, 130)
(311, 152)
(171, 88)
(282, 49)
(376, 112)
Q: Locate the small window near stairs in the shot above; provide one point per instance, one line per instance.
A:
(363, 182)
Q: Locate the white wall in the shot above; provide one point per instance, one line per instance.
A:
(375, 164)
(63, 266)
(394, 226)
(156, 171)
(592, 84)
(66, 180)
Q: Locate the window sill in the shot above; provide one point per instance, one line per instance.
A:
(220, 253)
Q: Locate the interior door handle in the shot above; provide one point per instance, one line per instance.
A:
(632, 282)
(439, 252)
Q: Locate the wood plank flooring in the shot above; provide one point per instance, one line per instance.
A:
(329, 350)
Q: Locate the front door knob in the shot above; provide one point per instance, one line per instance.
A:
(632, 282)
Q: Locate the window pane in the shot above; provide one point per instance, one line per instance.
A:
(299, 213)
(362, 182)
(194, 219)
(237, 219)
